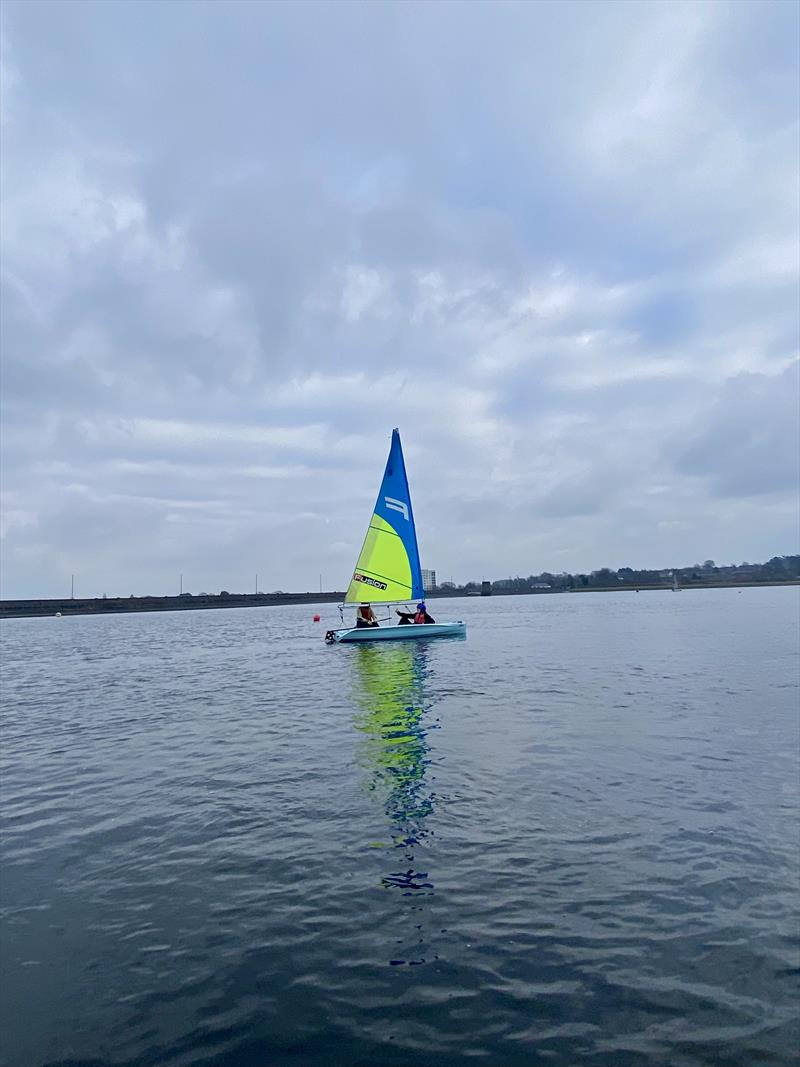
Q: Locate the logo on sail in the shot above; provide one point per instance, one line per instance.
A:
(396, 505)
(369, 581)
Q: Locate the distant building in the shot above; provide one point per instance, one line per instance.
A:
(428, 580)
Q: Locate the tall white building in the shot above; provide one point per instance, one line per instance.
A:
(428, 580)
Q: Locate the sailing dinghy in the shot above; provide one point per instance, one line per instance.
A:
(388, 569)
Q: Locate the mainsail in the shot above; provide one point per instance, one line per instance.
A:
(388, 569)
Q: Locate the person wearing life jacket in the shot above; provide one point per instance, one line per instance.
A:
(422, 615)
(365, 616)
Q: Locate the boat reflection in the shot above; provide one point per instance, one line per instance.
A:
(394, 751)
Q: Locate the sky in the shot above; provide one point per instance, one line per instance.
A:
(556, 244)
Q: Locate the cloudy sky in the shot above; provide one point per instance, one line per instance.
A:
(556, 244)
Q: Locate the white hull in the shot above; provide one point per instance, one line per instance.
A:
(411, 632)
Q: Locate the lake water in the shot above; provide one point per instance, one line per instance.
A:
(570, 839)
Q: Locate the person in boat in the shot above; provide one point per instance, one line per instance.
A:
(422, 615)
(406, 617)
(365, 616)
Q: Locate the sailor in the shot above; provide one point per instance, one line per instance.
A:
(365, 616)
(406, 617)
(422, 615)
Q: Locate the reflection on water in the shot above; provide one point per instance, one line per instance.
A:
(390, 687)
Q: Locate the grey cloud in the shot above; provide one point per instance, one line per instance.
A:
(749, 444)
(544, 240)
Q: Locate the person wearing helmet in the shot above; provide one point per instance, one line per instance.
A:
(422, 615)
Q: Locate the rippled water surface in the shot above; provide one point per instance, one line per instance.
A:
(570, 839)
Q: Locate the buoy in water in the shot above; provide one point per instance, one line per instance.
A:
(58, 614)
(316, 618)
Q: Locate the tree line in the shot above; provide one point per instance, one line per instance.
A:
(777, 569)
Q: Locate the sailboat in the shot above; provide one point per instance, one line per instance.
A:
(388, 569)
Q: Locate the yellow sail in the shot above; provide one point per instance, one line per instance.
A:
(383, 572)
(388, 567)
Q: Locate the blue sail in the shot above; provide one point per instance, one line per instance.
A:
(388, 567)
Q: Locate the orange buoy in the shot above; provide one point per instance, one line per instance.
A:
(316, 618)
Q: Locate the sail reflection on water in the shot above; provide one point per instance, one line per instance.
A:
(390, 687)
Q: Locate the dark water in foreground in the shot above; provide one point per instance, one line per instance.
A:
(571, 839)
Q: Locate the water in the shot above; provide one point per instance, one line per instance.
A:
(570, 839)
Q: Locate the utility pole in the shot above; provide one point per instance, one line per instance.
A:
(72, 588)
(256, 585)
(320, 583)
(181, 591)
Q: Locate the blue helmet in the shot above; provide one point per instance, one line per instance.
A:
(421, 606)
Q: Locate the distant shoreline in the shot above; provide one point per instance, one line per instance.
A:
(32, 609)
(44, 608)
(629, 588)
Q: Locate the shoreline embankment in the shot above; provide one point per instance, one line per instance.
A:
(31, 609)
